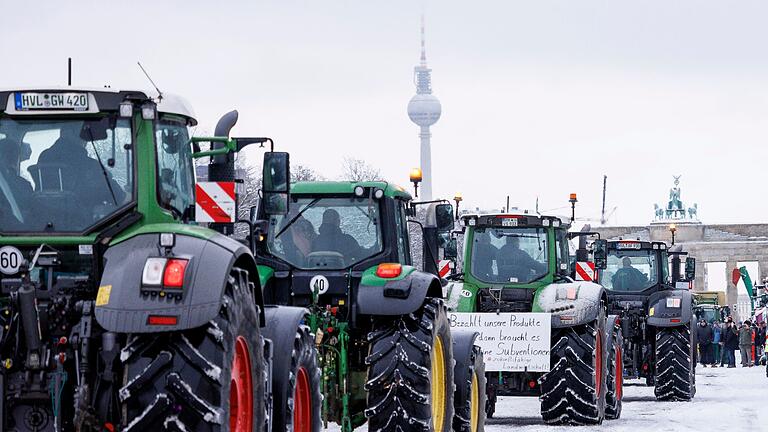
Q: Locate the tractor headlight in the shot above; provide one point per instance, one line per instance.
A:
(673, 302)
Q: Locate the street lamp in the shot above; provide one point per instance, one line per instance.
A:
(573, 202)
(672, 229)
(416, 179)
(458, 198)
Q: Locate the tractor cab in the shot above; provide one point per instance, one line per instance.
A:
(634, 266)
(336, 236)
(507, 257)
(69, 159)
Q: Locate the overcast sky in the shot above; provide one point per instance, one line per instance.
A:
(540, 98)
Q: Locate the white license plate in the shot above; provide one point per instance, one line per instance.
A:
(51, 101)
(509, 222)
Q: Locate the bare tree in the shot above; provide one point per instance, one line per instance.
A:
(359, 170)
(304, 173)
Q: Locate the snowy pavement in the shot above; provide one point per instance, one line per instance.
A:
(726, 399)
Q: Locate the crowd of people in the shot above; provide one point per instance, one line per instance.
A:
(718, 343)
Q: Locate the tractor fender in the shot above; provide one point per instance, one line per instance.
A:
(659, 315)
(572, 303)
(121, 307)
(398, 297)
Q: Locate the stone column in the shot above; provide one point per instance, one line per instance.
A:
(700, 283)
(731, 294)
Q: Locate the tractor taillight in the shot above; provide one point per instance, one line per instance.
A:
(173, 276)
(389, 270)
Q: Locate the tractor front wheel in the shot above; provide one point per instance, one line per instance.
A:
(573, 391)
(674, 371)
(615, 377)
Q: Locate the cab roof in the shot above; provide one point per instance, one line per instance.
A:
(109, 99)
(347, 187)
(521, 219)
(630, 244)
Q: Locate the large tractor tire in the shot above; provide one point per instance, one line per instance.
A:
(573, 391)
(674, 372)
(469, 377)
(208, 379)
(296, 374)
(410, 372)
(615, 373)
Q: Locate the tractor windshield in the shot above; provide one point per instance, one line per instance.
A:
(509, 255)
(63, 175)
(630, 270)
(326, 233)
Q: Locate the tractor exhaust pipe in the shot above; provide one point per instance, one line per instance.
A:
(222, 167)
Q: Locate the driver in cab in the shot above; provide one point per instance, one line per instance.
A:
(628, 278)
(79, 172)
(333, 239)
(515, 263)
(15, 190)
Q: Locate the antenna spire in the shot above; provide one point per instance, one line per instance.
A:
(423, 44)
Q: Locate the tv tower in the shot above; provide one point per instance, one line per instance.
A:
(424, 109)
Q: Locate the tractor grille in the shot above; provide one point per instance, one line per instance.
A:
(506, 300)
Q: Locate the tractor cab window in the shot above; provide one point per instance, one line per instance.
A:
(630, 270)
(509, 255)
(326, 233)
(175, 170)
(403, 238)
(63, 175)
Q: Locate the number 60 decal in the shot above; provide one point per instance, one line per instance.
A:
(10, 260)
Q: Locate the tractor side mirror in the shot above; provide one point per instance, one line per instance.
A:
(690, 268)
(600, 253)
(450, 251)
(444, 217)
(253, 212)
(276, 184)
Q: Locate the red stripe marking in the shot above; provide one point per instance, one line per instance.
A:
(209, 205)
(228, 188)
(582, 271)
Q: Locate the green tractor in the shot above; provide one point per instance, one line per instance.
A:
(119, 312)
(386, 348)
(519, 264)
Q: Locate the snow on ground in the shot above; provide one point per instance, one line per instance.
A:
(726, 399)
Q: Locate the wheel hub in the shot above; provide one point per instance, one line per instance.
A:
(438, 385)
(302, 403)
(241, 389)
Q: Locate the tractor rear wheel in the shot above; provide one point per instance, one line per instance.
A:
(615, 373)
(674, 370)
(208, 379)
(573, 391)
(410, 372)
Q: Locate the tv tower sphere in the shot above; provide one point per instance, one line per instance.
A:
(424, 109)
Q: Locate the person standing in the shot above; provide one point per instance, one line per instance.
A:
(745, 344)
(716, 330)
(759, 341)
(704, 336)
(730, 337)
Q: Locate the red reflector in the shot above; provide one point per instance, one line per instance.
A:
(531, 384)
(389, 270)
(164, 320)
(675, 320)
(174, 273)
